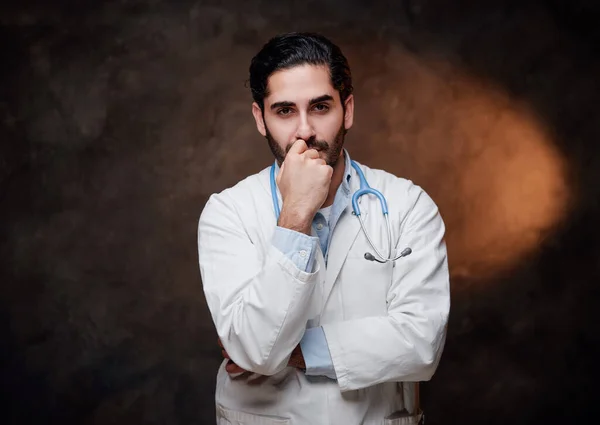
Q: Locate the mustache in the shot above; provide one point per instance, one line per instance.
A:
(312, 143)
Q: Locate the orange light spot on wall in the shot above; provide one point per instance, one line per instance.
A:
(484, 157)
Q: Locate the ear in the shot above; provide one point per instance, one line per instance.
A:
(349, 115)
(258, 117)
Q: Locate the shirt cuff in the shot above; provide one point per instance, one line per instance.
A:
(316, 353)
(296, 246)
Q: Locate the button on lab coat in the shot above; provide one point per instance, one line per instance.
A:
(385, 324)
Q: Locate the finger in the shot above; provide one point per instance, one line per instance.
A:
(237, 369)
(220, 343)
(311, 153)
(298, 147)
(224, 354)
(231, 367)
(278, 178)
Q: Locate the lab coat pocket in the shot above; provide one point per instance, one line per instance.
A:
(403, 418)
(364, 285)
(234, 417)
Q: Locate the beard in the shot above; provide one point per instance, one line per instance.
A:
(332, 149)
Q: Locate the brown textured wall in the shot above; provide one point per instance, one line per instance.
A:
(120, 118)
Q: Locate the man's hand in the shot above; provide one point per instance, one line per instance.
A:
(296, 360)
(230, 367)
(303, 181)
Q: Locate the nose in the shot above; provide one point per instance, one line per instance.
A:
(305, 128)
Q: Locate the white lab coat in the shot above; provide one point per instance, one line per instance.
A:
(385, 324)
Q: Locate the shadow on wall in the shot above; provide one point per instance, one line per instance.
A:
(121, 120)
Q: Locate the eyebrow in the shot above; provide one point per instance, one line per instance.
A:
(288, 104)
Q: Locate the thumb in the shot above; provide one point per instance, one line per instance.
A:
(278, 179)
(298, 147)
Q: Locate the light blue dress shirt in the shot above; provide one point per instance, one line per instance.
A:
(300, 248)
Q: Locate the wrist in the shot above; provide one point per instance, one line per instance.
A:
(295, 219)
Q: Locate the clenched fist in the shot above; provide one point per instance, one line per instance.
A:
(303, 181)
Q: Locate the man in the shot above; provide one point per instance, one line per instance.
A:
(314, 330)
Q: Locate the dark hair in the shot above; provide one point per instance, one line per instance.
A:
(298, 48)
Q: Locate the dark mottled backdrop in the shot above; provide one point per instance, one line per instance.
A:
(120, 118)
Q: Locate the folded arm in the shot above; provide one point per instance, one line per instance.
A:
(258, 305)
(407, 343)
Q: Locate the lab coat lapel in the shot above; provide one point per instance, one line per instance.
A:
(344, 234)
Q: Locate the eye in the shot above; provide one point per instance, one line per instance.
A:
(284, 111)
(321, 107)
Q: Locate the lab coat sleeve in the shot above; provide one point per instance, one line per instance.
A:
(407, 343)
(316, 353)
(296, 246)
(258, 303)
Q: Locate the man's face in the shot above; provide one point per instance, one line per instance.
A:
(303, 104)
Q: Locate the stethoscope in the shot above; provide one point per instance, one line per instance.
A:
(363, 190)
